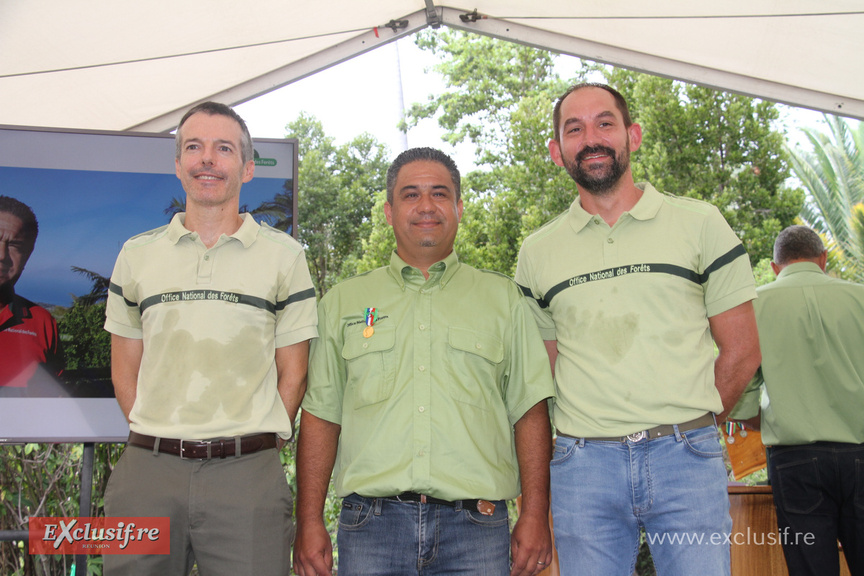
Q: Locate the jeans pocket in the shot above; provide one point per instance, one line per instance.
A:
(564, 448)
(703, 442)
(354, 514)
(796, 486)
(498, 518)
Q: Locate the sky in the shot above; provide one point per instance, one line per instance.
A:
(364, 94)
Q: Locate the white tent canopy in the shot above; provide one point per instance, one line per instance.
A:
(109, 65)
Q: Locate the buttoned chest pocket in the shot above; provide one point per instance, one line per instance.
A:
(475, 364)
(370, 363)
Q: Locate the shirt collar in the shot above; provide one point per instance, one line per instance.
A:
(248, 231)
(799, 267)
(440, 272)
(645, 209)
(246, 234)
(176, 229)
(18, 309)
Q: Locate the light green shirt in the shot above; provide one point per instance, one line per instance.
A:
(210, 321)
(427, 402)
(629, 308)
(811, 332)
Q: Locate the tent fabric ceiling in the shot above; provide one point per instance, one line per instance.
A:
(108, 65)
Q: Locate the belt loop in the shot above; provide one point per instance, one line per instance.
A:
(156, 446)
(209, 450)
(377, 503)
(677, 432)
(236, 446)
(581, 442)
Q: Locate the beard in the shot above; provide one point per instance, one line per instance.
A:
(601, 180)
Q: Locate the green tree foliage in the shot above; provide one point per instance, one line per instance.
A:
(337, 187)
(715, 146)
(44, 480)
(500, 99)
(86, 344)
(486, 78)
(833, 176)
(377, 247)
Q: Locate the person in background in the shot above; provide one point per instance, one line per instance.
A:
(811, 411)
(31, 358)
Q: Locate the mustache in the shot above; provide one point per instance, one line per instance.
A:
(209, 172)
(589, 150)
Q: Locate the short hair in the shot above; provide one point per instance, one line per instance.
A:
(415, 154)
(25, 214)
(797, 243)
(247, 152)
(620, 103)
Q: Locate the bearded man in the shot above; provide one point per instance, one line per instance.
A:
(631, 290)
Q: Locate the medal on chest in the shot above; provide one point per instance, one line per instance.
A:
(371, 317)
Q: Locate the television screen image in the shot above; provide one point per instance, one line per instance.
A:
(90, 192)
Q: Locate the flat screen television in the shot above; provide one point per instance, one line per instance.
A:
(90, 192)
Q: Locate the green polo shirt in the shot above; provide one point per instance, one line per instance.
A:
(629, 307)
(211, 320)
(811, 332)
(427, 403)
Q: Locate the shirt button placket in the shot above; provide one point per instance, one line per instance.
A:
(422, 335)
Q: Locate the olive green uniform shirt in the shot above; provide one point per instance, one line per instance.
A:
(629, 307)
(811, 332)
(211, 320)
(427, 403)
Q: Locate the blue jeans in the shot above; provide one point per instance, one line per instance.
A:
(380, 537)
(819, 496)
(673, 486)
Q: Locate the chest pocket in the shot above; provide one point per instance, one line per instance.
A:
(371, 365)
(475, 361)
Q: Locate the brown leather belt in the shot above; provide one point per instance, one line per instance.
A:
(656, 432)
(205, 449)
(485, 507)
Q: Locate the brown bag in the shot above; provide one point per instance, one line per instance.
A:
(746, 452)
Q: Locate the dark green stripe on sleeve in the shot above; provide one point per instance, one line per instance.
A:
(112, 287)
(298, 297)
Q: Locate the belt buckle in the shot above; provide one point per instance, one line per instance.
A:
(637, 436)
(182, 449)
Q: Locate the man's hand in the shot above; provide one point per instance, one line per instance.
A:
(531, 542)
(316, 453)
(313, 551)
(530, 545)
(737, 339)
